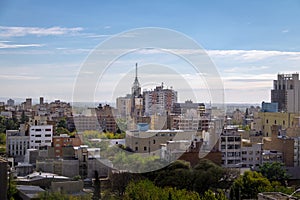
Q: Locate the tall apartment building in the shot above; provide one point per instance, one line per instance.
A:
(286, 92)
(230, 146)
(40, 136)
(159, 101)
(124, 106)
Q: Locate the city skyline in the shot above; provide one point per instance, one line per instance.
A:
(42, 46)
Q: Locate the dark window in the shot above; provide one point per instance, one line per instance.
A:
(38, 135)
(48, 129)
(145, 148)
(38, 129)
(48, 135)
(154, 141)
(136, 148)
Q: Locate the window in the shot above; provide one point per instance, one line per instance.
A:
(47, 135)
(267, 121)
(48, 129)
(38, 135)
(47, 141)
(154, 141)
(136, 148)
(38, 141)
(275, 122)
(145, 148)
(38, 129)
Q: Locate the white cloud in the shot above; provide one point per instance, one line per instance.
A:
(18, 77)
(4, 45)
(285, 31)
(16, 31)
(247, 69)
(251, 54)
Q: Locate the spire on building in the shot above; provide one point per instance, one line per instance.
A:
(136, 89)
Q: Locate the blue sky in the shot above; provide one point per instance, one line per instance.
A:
(44, 43)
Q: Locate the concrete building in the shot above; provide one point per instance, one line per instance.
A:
(64, 140)
(149, 142)
(159, 101)
(28, 104)
(123, 105)
(17, 143)
(251, 154)
(265, 120)
(40, 136)
(10, 102)
(106, 117)
(286, 92)
(231, 147)
(28, 192)
(83, 123)
(279, 144)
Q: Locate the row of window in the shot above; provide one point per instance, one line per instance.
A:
(46, 135)
(40, 141)
(39, 130)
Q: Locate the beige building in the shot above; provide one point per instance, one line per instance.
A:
(268, 119)
(280, 144)
(150, 141)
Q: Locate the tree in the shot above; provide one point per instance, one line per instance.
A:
(274, 171)
(249, 185)
(24, 118)
(146, 190)
(97, 187)
(12, 188)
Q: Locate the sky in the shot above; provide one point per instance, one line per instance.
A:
(44, 45)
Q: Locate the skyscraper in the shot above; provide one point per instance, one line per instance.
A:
(286, 92)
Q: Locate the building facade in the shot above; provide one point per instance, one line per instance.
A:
(286, 92)
(40, 136)
(159, 101)
(230, 146)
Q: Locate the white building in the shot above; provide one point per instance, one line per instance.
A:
(16, 144)
(251, 154)
(40, 136)
(230, 146)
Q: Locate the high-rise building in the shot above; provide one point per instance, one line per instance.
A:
(286, 92)
(230, 146)
(124, 106)
(41, 100)
(160, 101)
(10, 102)
(28, 103)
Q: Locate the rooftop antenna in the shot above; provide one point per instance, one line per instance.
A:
(136, 65)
